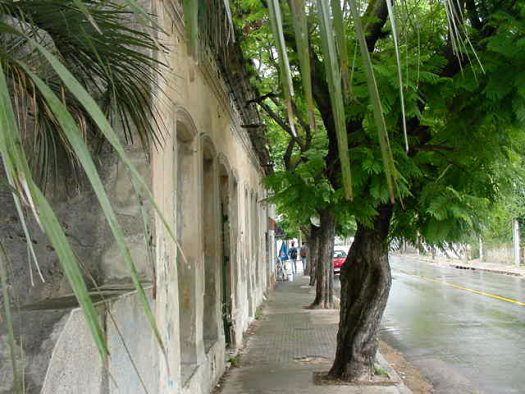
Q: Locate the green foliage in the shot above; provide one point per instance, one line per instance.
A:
(259, 312)
(119, 72)
(380, 371)
(235, 361)
(333, 78)
(465, 122)
(300, 193)
(61, 59)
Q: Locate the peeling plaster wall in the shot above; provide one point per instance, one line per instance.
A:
(200, 107)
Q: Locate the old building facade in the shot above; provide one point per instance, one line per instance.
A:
(204, 286)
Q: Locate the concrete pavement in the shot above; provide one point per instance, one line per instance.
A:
(290, 345)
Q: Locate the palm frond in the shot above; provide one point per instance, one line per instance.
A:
(191, 22)
(303, 53)
(113, 61)
(333, 77)
(74, 68)
(377, 107)
(16, 164)
(102, 123)
(340, 36)
(276, 22)
(392, 17)
(70, 129)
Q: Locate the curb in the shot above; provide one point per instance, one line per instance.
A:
(392, 373)
(466, 267)
(460, 266)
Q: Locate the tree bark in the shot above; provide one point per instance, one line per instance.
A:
(365, 285)
(324, 270)
(313, 248)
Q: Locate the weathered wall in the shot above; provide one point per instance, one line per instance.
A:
(205, 284)
(85, 227)
(499, 254)
(207, 140)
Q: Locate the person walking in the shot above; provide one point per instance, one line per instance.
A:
(303, 252)
(283, 252)
(293, 257)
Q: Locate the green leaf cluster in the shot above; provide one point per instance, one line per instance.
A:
(93, 39)
(465, 116)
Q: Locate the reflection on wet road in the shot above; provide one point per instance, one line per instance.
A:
(464, 329)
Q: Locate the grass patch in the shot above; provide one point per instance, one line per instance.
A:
(235, 361)
(259, 313)
(380, 371)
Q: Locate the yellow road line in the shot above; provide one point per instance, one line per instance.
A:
(497, 297)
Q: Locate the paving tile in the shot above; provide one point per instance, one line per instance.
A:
(290, 344)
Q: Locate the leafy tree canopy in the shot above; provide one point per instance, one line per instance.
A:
(465, 111)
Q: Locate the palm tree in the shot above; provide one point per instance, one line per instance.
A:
(69, 69)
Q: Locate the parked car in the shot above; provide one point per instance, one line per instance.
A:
(338, 260)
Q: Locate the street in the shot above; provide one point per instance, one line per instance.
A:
(464, 329)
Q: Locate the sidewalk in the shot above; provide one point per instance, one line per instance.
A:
(498, 268)
(290, 344)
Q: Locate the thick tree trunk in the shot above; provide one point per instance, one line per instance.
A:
(313, 248)
(324, 271)
(365, 284)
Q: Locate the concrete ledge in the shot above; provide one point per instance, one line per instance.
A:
(208, 373)
(75, 365)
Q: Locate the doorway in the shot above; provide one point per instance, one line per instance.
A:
(226, 266)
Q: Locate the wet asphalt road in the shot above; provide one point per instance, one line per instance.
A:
(463, 341)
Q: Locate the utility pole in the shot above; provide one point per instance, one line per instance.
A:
(516, 239)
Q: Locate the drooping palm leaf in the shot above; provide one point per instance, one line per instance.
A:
(340, 36)
(114, 61)
(100, 120)
(15, 162)
(81, 150)
(25, 229)
(333, 77)
(276, 22)
(303, 53)
(379, 119)
(392, 17)
(191, 22)
(103, 71)
(229, 20)
(96, 114)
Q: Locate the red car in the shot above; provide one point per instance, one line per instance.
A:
(338, 260)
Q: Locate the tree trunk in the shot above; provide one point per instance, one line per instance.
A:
(324, 270)
(313, 248)
(365, 284)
